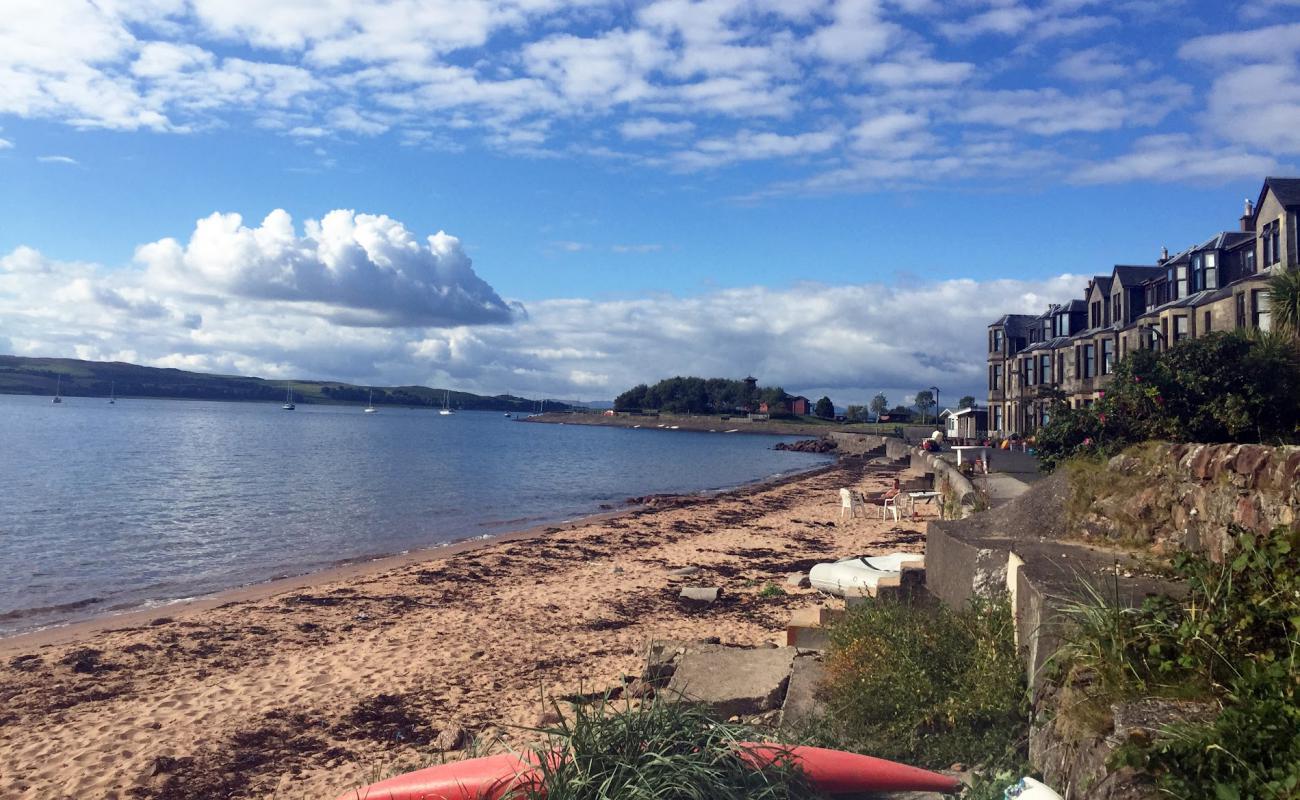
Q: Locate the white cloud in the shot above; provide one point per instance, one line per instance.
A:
(356, 269)
(753, 146)
(653, 128)
(57, 160)
(855, 339)
(5, 144)
(1176, 158)
(1050, 112)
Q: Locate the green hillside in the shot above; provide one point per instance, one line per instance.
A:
(19, 375)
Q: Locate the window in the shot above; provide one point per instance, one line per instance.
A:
(995, 378)
(1211, 271)
(1116, 312)
(1206, 326)
(1248, 262)
(1030, 378)
(1096, 314)
(1042, 415)
(1271, 243)
(1263, 319)
(1089, 360)
(997, 418)
(1180, 279)
(1198, 269)
(1060, 367)
(998, 339)
(1241, 310)
(1180, 328)
(1123, 346)
(1107, 356)
(1045, 368)
(1164, 332)
(1277, 241)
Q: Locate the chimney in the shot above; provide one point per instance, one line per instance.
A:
(1248, 218)
(1164, 256)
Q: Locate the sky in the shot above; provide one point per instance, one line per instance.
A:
(565, 199)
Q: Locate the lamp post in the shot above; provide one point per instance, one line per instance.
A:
(935, 390)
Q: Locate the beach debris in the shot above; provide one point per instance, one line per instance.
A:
(453, 738)
(87, 661)
(862, 576)
(617, 570)
(701, 594)
(684, 572)
(801, 705)
(798, 580)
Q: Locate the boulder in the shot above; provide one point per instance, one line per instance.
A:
(700, 594)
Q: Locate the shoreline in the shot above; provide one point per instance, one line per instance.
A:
(306, 687)
(713, 424)
(108, 620)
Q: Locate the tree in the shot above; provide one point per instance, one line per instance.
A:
(824, 408)
(924, 401)
(856, 413)
(966, 402)
(879, 404)
(1284, 303)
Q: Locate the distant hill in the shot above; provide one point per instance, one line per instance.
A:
(76, 378)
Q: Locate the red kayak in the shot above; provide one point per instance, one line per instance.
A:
(507, 776)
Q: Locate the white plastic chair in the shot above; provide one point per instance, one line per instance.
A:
(850, 502)
(889, 504)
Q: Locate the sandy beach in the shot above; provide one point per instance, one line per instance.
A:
(307, 688)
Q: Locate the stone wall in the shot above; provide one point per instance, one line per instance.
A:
(1186, 496)
(864, 443)
(960, 499)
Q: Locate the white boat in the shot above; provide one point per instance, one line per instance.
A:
(446, 405)
(288, 398)
(859, 576)
(112, 393)
(58, 390)
(370, 404)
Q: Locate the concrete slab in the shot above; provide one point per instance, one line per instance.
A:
(734, 681)
(801, 705)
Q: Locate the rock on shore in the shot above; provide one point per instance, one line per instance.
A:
(808, 446)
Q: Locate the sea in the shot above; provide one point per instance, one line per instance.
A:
(112, 508)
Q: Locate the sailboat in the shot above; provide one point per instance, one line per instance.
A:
(112, 394)
(58, 390)
(288, 398)
(446, 404)
(370, 404)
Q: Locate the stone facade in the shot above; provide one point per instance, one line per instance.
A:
(1072, 349)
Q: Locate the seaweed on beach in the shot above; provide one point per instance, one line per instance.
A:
(386, 718)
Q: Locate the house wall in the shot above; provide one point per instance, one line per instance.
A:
(1269, 210)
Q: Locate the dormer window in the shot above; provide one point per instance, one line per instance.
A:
(1211, 279)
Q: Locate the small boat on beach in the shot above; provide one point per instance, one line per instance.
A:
(513, 775)
(860, 575)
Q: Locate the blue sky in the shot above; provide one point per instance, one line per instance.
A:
(833, 194)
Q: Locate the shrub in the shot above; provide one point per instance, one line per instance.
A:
(1221, 387)
(1235, 637)
(926, 684)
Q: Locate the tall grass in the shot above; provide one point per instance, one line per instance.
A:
(660, 750)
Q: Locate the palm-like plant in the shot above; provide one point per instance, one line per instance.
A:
(1284, 302)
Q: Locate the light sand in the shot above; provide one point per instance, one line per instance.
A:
(308, 691)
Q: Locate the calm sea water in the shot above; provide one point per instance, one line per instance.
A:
(106, 508)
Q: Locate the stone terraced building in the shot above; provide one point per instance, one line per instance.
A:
(1220, 284)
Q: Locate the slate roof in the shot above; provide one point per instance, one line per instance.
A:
(1287, 191)
(1133, 274)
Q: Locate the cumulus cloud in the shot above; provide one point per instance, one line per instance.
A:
(365, 269)
(850, 340)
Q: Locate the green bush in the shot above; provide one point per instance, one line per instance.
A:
(658, 750)
(925, 684)
(1235, 638)
(1221, 387)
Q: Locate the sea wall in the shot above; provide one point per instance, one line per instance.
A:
(959, 496)
(863, 443)
(1185, 496)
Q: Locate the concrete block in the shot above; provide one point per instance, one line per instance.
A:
(734, 681)
(801, 705)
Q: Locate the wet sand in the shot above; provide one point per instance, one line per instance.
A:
(310, 686)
